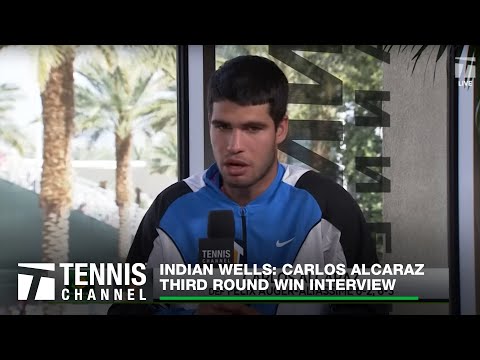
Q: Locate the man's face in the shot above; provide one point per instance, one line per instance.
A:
(244, 142)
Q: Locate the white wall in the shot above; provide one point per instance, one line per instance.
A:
(416, 142)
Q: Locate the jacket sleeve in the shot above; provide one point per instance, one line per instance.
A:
(141, 248)
(341, 210)
(343, 213)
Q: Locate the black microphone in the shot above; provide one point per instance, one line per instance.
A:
(217, 248)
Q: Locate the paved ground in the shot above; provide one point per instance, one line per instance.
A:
(21, 237)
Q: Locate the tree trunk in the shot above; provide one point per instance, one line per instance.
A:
(123, 196)
(55, 195)
(124, 237)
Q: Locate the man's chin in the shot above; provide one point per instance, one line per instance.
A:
(237, 182)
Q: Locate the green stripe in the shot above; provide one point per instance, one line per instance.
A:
(288, 298)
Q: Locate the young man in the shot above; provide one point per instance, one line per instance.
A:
(283, 213)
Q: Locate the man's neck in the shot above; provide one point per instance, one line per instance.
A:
(243, 196)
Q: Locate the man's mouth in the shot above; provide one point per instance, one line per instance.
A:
(235, 167)
(238, 163)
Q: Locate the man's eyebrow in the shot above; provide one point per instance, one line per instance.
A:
(255, 123)
(219, 121)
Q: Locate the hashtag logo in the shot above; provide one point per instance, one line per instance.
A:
(46, 285)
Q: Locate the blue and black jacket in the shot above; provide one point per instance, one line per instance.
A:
(302, 217)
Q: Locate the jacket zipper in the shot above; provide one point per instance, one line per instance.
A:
(244, 233)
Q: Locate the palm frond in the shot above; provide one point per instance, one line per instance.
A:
(125, 96)
(109, 53)
(85, 122)
(11, 135)
(94, 78)
(9, 93)
(49, 56)
(420, 53)
(388, 48)
(95, 136)
(156, 107)
(121, 82)
(440, 52)
(137, 153)
(160, 57)
(140, 88)
(417, 55)
(164, 158)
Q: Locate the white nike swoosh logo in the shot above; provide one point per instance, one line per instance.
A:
(280, 244)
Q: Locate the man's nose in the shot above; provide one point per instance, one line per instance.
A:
(235, 141)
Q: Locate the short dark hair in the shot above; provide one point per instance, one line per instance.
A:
(250, 80)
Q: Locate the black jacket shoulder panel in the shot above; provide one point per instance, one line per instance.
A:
(342, 211)
(147, 231)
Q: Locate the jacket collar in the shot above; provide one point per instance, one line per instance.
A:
(213, 181)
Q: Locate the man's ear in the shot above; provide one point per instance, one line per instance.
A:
(282, 130)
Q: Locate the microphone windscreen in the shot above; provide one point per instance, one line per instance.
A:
(221, 224)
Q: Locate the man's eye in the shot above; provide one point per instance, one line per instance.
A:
(221, 126)
(254, 129)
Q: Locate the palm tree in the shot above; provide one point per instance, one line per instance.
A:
(9, 132)
(164, 158)
(55, 64)
(121, 98)
(55, 79)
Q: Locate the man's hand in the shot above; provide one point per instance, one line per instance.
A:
(225, 309)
